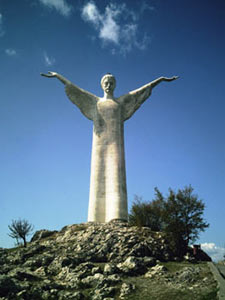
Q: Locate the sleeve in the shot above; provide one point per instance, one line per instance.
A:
(133, 100)
(84, 100)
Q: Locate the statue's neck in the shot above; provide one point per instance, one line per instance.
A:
(108, 96)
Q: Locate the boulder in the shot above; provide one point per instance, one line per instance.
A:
(156, 270)
(41, 234)
(126, 289)
(132, 266)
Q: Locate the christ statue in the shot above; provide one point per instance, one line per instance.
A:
(108, 191)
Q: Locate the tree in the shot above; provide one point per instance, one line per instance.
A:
(20, 229)
(148, 214)
(139, 212)
(183, 216)
(180, 215)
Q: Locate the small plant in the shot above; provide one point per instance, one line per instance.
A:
(19, 230)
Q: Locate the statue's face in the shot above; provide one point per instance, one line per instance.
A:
(108, 85)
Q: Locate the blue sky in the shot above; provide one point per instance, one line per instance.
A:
(175, 139)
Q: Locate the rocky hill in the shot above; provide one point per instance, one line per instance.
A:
(94, 261)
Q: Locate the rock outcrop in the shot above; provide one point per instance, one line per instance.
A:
(85, 261)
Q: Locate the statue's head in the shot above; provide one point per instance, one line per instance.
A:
(108, 83)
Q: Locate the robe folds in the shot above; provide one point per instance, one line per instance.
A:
(108, 191)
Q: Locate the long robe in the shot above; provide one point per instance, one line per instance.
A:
(108, 191)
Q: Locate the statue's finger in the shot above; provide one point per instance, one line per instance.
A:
(46, 75)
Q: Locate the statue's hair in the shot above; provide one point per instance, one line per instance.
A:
(108, 75)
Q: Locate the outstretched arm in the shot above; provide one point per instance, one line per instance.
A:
(133, 100)
(160, 79)
(147, 88)
(56, 75)
(84, 100)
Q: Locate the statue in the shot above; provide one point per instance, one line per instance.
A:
(108, 192)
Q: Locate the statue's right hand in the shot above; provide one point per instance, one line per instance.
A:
(50, 74)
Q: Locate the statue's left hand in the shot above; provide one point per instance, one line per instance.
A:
(50, 74)
(171, 78)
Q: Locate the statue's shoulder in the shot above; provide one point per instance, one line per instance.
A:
(74, 91)
(125, 98)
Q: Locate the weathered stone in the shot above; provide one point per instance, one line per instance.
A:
(84, 270)
(187, 275)
(41, 234)
(33, 262)
(141, 249)
(20, 274)
(110, 269)
(40, 272)
(126, 289)
(55, 267)
(31, 251)
(96, 270)
(70, 279)
(114, 279)
(62, 295)
(149, 261)
(156, 270)
(93, 280)
(103, 293)
(70, 261)
(132, 266)
(21, 295)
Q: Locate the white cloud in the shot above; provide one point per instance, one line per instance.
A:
(110, 30)
(2, 32)
(146, 6)
(215, 252)
(128, 35)
(116, 26)
(91, 13)
(142, 44)
(60, 5)
(10, 52)
(49, 61)
(105, 23)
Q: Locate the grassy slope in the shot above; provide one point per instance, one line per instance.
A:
(202, 288)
